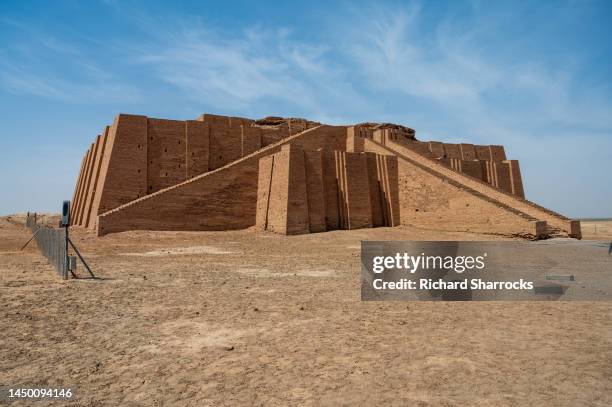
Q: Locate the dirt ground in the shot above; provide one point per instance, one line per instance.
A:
(244, 318)
(597, 229)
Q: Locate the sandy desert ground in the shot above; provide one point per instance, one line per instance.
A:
(243, 318)
(597, 229)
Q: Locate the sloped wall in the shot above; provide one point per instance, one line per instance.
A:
(436, 202)
(139, 156)
(222, 199)
(487, 163)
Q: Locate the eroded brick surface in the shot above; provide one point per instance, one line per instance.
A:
(296, 176)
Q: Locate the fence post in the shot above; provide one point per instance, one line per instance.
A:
(64, 245)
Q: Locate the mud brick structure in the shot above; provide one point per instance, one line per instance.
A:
(295, 176)
(313, 191)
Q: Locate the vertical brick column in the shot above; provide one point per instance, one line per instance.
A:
(331, 191)
(313, 164)
(391, 189)
(297, 202)
(502, 175)
(354, 143)
(78, 188)
(340, 168)
(357, 191)
(90, 210)
(282, 201)
(196, 148)
(376, 189)
(124, 168)
(264, 188)
(515, 178)
(87, 184)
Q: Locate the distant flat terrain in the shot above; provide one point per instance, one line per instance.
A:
(596, 229)
(248, 318)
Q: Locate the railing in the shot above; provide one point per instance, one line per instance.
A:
(599, 228)
(52, 242)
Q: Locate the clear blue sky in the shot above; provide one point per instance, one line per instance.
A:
(533, 76)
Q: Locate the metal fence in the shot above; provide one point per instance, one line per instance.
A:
(52, 242)
(597, 228)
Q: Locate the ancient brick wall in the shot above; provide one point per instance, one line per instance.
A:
(383, 184)
(166, 141)
(487, 163)
(328, 138)
(354, 143)
(437, 148)
(273, 135)
(331, 191)
(376, 192)
(93, 149)
(225, 139)
(74, 210)
(295, 187)
(432, 202)
(507, 212)
(297, 221)
(516, 181)
(221, 199)
(315, 192)
(197, 149)
(282, 205)
(77, 189)
(124, 167)
(250, 139)
(360, 130)
(88, 217)
(139, 156)
(206, 174)
(452, 150)
(101, 177)
(468, 152)
(271, 210)
(473, 168)
(353, 182)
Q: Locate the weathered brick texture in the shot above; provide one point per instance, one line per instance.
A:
(434, 196)
(295, 187)
(222, 199)
(81, 214)
(79, 189)
(88, 219)
(313, 165)
(219, 172)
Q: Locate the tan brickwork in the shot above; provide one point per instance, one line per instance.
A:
(88, 216)
(78, 190)
(294, 187)
(88, 179)
(296, 176)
